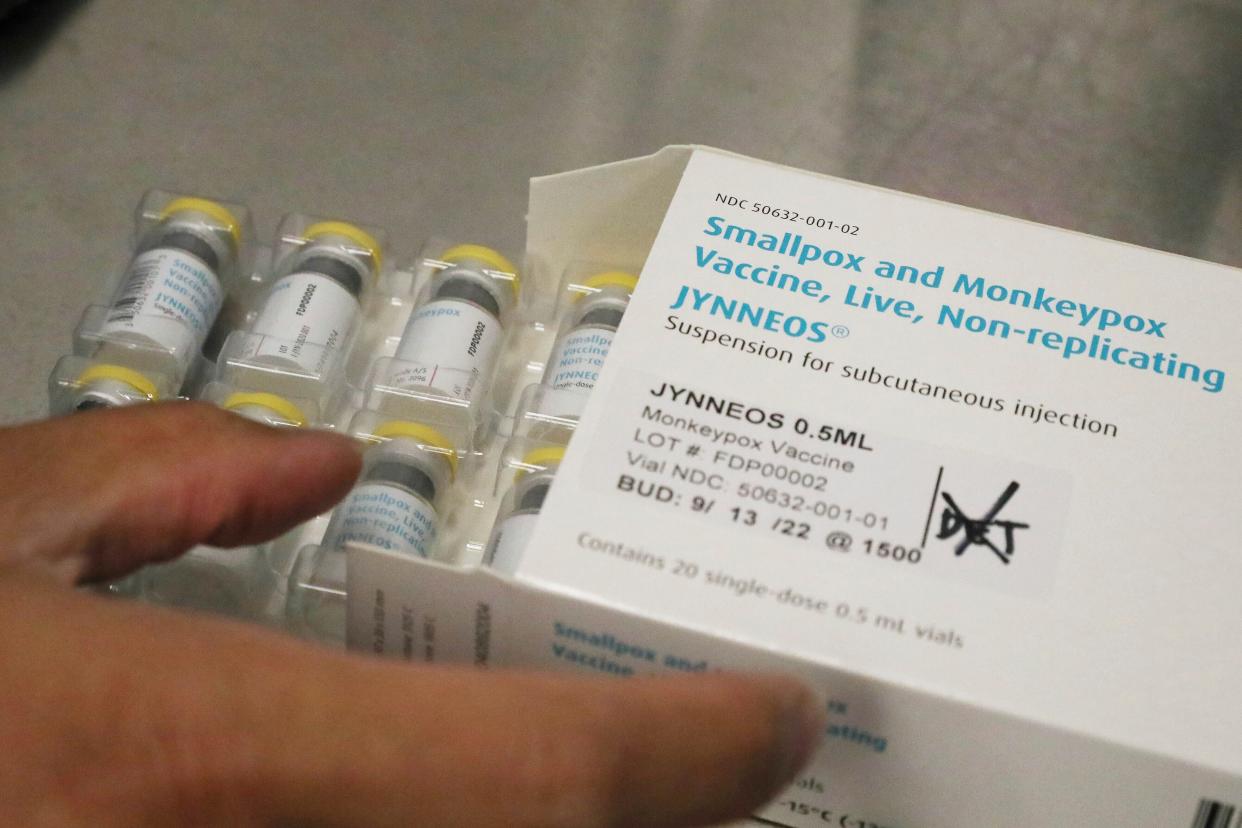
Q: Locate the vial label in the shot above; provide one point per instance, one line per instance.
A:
(448, 345)
(386, 516)
(510, 541)
(170, 298)
(576, 362)
(305, 317)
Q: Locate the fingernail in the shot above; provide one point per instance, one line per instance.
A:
(801, 730)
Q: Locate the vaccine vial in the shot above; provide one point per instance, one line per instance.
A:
(310, 311)
(269, 409)
(105, 385)
(580, 351)
(530, 487)
(452, 340)
(393, 506)
(167, 302)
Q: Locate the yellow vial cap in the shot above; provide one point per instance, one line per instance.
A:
(349, 231)
(494, 259)
(279, 404)
(208, 208)
(610, 278)
(139, 382)
(541, 457)
(422, 434)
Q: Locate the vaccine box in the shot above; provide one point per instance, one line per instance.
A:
(973, 478)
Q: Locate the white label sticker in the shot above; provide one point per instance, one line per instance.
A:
(448, 346)
(830, 489)
(305, 317)
(510, 540)
(576, 362)
(169, 297)
(386, 516)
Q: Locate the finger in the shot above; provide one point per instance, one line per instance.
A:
(235, 725)
(542, 750)
(106, 491)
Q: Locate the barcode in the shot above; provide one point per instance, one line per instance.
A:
(1213, 814)
(123, 311)
(136, 289)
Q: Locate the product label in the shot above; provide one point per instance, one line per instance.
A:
(510, 540)
(385, 516)
(304, 319)
(829, 490)
(447, 346)
(168, 297)
(578, 357)
(920, 442)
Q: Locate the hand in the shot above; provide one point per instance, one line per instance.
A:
(113, 712)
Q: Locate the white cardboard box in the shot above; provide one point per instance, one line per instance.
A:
(1015, 617)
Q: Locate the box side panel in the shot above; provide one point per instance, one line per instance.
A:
(891, 756)
(425, 611)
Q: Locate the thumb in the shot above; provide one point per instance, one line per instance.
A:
(240, 726)
(441, 746)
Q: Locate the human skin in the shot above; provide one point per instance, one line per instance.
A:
(116, 713)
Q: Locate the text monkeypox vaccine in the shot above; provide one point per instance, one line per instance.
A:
(387, 516)
(803, 391)
(832, 489)
(578, 358)
(393, 506)
(452, 340)
(449, 344)
(170, 298)
(580, 351)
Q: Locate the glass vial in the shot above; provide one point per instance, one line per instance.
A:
(395, 505)
(581, 349)
(167, 302)
(452, 340)
(513, 531)
(311, 310)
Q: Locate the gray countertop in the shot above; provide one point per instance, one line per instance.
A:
(1122, 119)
